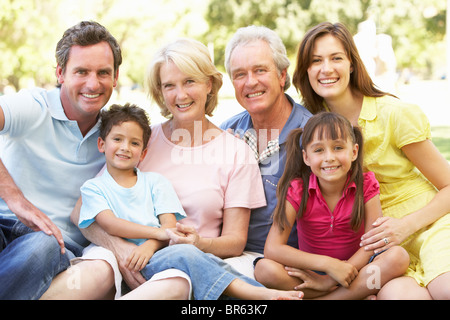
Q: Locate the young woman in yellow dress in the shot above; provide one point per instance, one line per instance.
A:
(414, 177)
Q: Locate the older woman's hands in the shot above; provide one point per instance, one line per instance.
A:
(386, 232)
(183, 234)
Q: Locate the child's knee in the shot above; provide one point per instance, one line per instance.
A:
(266, 271)
(101, 270)
(181, 288)
(399, 259)
(96, 275)
(395, 260)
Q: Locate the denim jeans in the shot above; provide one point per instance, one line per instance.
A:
(210, 275)
(28, 261)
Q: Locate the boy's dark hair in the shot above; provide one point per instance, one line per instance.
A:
(117, 114)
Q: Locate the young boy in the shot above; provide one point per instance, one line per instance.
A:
(124, 201)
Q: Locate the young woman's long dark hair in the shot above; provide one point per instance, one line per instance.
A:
(327, 125)
(359, 79)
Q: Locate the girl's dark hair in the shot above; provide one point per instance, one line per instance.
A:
(328, 125)
(117, 114)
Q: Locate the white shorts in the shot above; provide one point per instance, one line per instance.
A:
(244, 263)
(94, 252)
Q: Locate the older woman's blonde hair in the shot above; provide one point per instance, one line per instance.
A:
(192, 58)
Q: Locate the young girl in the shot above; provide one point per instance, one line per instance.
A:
(324, 188)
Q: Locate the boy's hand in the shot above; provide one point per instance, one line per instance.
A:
(139, 258)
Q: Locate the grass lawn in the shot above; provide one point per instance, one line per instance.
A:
(441, 138)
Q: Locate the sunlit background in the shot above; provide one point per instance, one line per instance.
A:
(415, 68)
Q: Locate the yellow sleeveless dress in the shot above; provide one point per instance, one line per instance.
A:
(389, 124)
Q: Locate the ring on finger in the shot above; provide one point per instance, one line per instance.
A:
(386, 241)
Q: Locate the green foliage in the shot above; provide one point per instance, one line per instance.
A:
(29, 29)
(441, 138)
(416, 26)
(27, 41)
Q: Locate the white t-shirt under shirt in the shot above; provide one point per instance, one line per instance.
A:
(217, 175)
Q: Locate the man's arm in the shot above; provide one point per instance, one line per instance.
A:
(25, 211)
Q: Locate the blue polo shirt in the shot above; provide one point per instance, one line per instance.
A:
(47, 156)
(271, 170)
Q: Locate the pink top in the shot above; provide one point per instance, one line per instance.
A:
(323, 232)
(220, 174)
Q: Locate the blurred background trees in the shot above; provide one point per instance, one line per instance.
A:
(29, 29)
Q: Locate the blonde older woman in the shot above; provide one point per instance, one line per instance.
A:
(215, 175)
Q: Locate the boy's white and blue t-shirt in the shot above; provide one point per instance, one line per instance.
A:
(151, 196)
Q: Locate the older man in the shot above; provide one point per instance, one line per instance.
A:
(256, 61)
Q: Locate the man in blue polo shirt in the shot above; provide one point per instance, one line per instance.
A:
(49, 149)
(256, 61)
